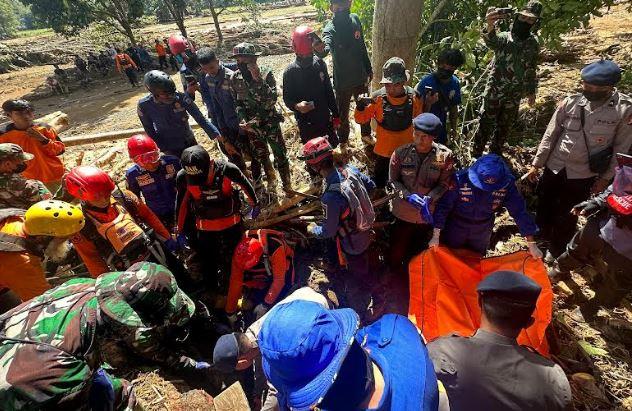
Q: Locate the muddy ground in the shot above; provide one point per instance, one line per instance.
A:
(596, 360)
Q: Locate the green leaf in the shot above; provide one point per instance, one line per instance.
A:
(591, 350)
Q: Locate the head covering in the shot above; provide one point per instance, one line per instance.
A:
(490, 173)
(394, 71)
(532, 9)
(428, 123)
(10, 151)
(511, 285)
(602, 73)
(303, 346)
(226, 353)
(245, 49)
(145, 294)
(196, 163)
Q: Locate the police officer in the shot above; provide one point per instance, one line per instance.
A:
(15, 190)
(576, 150)
(512, 76)
(489, 370)
(464, 217)
(163, 114)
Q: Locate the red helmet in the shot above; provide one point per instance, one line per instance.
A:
(316, 150)
(177, 43)
(142, 149)
(88, 183)
(302, 40)
(621, 205)
(248, 253)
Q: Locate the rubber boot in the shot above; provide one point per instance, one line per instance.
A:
(286, 178)
(271, 177)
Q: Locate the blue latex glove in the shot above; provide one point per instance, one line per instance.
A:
(101, 392)
(182, 241)
(254, 213)
(201, 365)
(172, 245)
(421, 203)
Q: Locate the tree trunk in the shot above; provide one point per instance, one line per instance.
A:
(128, 31)
(215, 14)
(178, 15)
(396, 27)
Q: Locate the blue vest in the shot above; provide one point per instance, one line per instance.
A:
(157, 187)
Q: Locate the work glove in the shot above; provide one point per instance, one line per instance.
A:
(434, 241)
(260, 310)
(202, 365)
(254, 213)
(172, 245)
(311, 228)
(586, 207)
(336, 122)
(182, 241)
(534, 250)
(421, 203)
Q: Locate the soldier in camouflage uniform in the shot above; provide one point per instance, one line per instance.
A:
(51, 347)
(255, 93)
(512, 77)
(15, 190)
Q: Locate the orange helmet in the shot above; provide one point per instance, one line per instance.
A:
(248, 253)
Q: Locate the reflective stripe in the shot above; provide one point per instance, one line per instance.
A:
(217, 224)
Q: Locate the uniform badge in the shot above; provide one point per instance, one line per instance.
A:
(144, 180)
(451, 94)
(357, 34)
(171, 170)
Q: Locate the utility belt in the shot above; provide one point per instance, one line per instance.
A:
(148, 249)
(217, 224)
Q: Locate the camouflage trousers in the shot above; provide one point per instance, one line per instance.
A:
(496, 120)
(270, 135)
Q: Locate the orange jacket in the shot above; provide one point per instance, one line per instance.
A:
(388, 140)
(22, 271)
(46, 166)
(280, 258)
(119, 64)
(160, 49)
(92, 257)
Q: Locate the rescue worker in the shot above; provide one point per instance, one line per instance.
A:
(15, 190)
(164, 113)
(255, 93)
(208, 210)
(420, 173)
(512, 75)
(161, 51)
(186, 59)
(349, 217)
(172, 60)
(393, 107)
(307, 90)
(344, 38)
(262, 270)
(464, 217)
(319, 358)
(120, 229)
(489, 369)
(36, 138)
(124, 63)
(26, 237)
(599, 118)
(154, 176)
(605, 242)
(447, 87)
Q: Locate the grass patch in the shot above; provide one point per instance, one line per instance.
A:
(33, 33)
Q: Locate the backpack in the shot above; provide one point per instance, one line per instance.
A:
(361, 214)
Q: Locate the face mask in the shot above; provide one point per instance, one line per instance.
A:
(521, 29)
(243, 69)
(596, 95)
(444, 74)
(19, 168)
(305, 61)
(342, 14)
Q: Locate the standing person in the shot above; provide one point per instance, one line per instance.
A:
(170, 57)
(111, 52)
(464, 217)
(512, 76)
(39, 139)
(132, 51)
(307, 90)
(125, 63)
(164, 113)
(447, 87)
(255, 93)
(344, 38)
(15, 190)
(393, 107)
(145, 57)
(184, 54)
(475, 370)
(420, 173)
(161, 51)
(349, 217)
(208, 208)
(154, 176)
(576, 150)
(82, 68)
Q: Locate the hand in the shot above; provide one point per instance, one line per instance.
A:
(534, 250)
(172, 245)
(311, 227)
(417, 201)
(192, 88)
(363, 101)
(434, 241)
(431, 98)
(182, 241)
(599, 185)
(585, 208)
(492, 17)
(202, 365)
(533, 175)
(336, 122)
(247, 127)
(254, 213)
(304, 107)
(36, 135)
(531, 100)
(260, 310)
(319, 47)
(230, 148)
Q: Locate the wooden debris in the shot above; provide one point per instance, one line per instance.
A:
(58, 120)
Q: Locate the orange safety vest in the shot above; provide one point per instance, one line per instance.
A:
(122, 232)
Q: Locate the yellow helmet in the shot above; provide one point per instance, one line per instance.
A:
(53, 218)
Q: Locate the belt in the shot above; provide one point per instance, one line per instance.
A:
(217, 224)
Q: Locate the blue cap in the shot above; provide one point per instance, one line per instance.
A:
(226, 353)
(428, 123)
(490, 173)
(514, 285)
(602, 73)
(302, 346)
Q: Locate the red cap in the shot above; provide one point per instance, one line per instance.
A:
(248, 253)
(88, 183)
(316, 150)
(302, 40)
(620, 204)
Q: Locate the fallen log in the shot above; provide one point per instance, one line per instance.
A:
(58, 120)
(107, 136)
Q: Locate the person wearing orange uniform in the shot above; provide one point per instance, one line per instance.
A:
(393, 107)
(161, 51)
(26, 237)
(263, 263)
(124, 63)
(39, 139)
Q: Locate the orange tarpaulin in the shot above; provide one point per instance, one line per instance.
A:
(443, 296)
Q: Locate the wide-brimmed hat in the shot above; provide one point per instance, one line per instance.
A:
(303, 346)
(10, 151)
(490, 173)
(245, 49)
(394, 71)
(145, 295)
(533, 9)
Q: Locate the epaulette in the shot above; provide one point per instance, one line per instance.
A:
(6, 127)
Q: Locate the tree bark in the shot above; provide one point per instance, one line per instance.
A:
(396, 27)
(215, 14)
(178, 15)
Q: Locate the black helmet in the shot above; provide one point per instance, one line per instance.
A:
(156, 80)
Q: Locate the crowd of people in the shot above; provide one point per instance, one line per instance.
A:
(182, 208)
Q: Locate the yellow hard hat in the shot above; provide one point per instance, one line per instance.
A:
(53, 218)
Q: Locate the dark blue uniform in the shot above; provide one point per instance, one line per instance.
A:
(465, 214)
(449, 96)
(157, 187)
(168, 124)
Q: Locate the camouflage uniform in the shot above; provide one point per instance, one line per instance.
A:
(256, 102)
(512, 77)
(15, 190)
